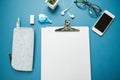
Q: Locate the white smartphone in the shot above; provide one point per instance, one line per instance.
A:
(103, 22)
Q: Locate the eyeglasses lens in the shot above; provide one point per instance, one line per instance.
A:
(94, 11)
(80, 4)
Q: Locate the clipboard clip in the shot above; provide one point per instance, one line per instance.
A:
(67, 28)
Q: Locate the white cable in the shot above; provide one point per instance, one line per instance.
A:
(66, 10)
(69, 6)
(18, 23)
(71, 15)
(63, 3)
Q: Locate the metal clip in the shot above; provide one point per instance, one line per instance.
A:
(67, 28)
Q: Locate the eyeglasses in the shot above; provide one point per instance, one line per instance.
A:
(94, 10)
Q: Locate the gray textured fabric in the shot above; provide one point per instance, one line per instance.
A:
(22, 49)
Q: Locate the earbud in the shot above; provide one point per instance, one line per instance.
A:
(63, 12)
(71, 15)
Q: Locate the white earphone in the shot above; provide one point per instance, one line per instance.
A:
(66, 10)
(71, 15)
(63, 12)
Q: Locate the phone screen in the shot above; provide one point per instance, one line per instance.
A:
(103, 22)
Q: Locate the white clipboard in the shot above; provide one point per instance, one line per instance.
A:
(65, 55)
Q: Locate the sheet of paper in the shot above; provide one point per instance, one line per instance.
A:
(65, 55)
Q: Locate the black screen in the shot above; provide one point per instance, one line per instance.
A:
(103, 22)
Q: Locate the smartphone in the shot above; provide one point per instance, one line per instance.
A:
(103, 22)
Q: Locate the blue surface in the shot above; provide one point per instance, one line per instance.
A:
(105, 51)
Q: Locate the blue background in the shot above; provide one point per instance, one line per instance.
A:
(105, 50)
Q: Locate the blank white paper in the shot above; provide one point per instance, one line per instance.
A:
(65, 55)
